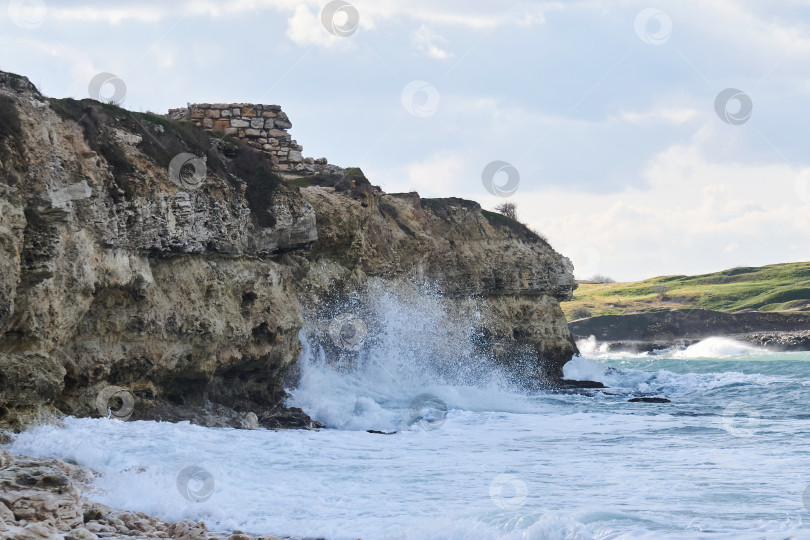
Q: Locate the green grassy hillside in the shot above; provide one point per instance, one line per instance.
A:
(776, 287)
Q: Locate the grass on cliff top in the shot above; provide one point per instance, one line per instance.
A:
(306, 181)
(163, 139)
(776, 287)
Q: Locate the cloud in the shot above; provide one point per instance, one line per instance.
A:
(425, 40)
(443, 168)
(658, 115)
(470, 14)
(110, 15)
(305, 28)
(696, 217)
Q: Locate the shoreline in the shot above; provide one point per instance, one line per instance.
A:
(769, 341)
(43, 498)
(647, 332)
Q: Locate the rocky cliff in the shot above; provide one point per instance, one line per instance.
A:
(148, 254)
(781, 331)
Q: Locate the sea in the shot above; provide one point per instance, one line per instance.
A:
(416, 446)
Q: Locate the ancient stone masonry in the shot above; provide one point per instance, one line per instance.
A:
(263, 127)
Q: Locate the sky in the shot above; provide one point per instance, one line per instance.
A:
(641, 138)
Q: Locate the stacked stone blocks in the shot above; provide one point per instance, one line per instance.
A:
(263, 127)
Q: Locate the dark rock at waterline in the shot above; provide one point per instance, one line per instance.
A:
(217, 415)
(780, 341)
(649, 400)
(648, 332)
(686, 324)
(571, 383)
(376, 432)
(635, 347)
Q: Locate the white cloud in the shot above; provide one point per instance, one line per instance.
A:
(657, 115)
(456, 13)
(696, 217)
(110, 15)
(305, 28)
(443, 168)
(426, 41)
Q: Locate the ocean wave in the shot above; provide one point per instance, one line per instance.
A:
(660, 381)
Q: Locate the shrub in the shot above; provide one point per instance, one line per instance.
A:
(599, 278)
(661, 291)
(508, 209)
(262, 182)
(10, 126)
(580, 313)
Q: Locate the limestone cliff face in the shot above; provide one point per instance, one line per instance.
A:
(118, 268)
(113, 273)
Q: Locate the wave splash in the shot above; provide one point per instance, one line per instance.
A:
(416, 342)
(717, 347)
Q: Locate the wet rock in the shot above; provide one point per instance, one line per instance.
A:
(649, 400)
(188, 530)
(81, 534)
(5, 458)
(570, 383)
(31, 531)
(38, 490)
(680, 328)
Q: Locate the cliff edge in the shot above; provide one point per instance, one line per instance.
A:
(149, 254)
